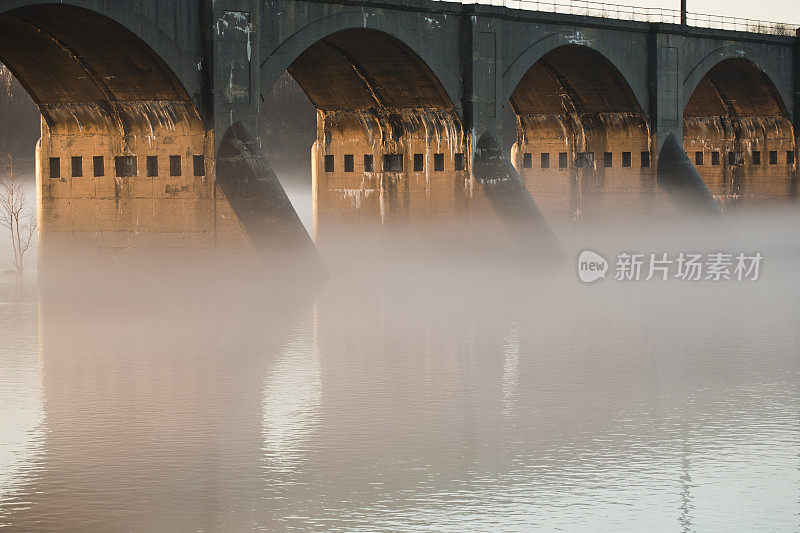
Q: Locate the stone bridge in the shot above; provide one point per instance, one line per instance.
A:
(151, 113)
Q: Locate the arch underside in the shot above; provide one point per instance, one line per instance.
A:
(738, 134)
(573, 79)
(362, 69)
(582, 138)
(81, 67)
(735, 87)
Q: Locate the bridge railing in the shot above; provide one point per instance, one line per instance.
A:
(645, 14)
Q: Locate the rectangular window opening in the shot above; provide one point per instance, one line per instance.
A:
(527, 160)
(330, 163)
(459, 163)
(55, 167)
(608, 159)
(349, 163)
(626, 159)
(125, 166)
(562, 160)
(789, 157)
(735, 158)
(773, 157)
(545, 160)
(715, 158)
(756, 157)
(174, 165)
(438, 162)
(645, 159)
(419, 163)
(152, 166)
(99, 164)
(77, 167)
(393, 162)
(199, 165)
(368, 163)
(584, 159)
(698, 158)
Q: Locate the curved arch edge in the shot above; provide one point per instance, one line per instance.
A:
(538, 49)
(164, 45)
(280, 59)
(723, 53)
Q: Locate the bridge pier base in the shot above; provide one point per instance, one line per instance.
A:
(679, 177)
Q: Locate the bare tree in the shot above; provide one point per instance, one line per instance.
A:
(19, 120)
(16, 213)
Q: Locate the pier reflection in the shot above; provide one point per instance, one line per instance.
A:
(412, 391)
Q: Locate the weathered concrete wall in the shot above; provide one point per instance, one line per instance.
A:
(104, 72)
(373, 170)
(579, 168)
(744, 161)
(104, 202)
(660, 65)
(738, 134)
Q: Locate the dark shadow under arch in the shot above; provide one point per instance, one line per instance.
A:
(446, 69)
(361, 69)
(573, 79)
(736, 87)
(75, 61)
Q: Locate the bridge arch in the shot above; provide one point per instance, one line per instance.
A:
(446, 74)
(180, 49)
(365, 68)
(390, 144)
(81, 67)
(750, 63)
(583, 141)
(122, 143)
(611, 54)
(738, 132)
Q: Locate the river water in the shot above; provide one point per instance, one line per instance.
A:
(418, 389)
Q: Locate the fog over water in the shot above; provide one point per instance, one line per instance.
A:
(426, 385)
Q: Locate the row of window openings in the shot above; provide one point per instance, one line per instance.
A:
(583, 159)
(125, 166)
(586, 158)
(394, 163)
(737, 158)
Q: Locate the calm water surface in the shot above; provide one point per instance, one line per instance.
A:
(415, 391)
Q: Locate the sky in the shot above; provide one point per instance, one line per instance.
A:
(770, 10)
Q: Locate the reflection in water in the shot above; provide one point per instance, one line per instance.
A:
(292, 399)
(22, 417)
(510, 368)
(685, 518)
(421, 389)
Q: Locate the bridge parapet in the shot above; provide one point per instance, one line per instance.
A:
(620, 12)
